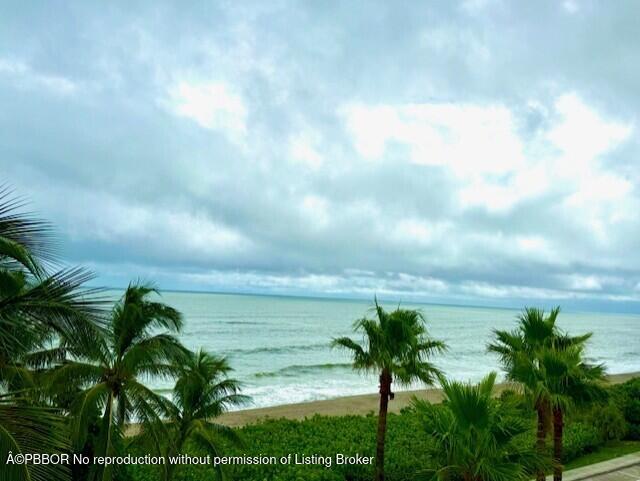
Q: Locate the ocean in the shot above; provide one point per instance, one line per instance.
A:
(279, 347)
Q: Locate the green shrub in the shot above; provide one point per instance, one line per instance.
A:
(514, 400)
(509, 394)
(627, 397)
(406, 447)
(609, 421)
(580, 438)
(322, 436)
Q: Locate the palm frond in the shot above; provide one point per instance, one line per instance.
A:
(474, 437)
(155, 351)
(27, 429)
(362, 360)
(202, 437)
(396, 342)
(135, 315)
(33, 241)
(88, 404)
(58, 302)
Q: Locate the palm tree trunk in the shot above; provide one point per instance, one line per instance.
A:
(108, 427)
(385, 392)
(558, 424)
(171, 468)
(122, 410)
(169, 471)
(541, 435)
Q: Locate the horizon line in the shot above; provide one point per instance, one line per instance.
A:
(348, 297)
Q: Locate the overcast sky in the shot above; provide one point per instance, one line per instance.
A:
(474, 152)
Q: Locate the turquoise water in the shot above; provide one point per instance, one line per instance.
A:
(279, 346)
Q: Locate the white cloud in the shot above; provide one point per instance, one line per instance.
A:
(484, 289)
(571, 6)
(475, 155)
(535, 246)
(13, 68)
(395, 284)
(425, 285)
(599, 187)
(418, 232)
(582, 135)
(504, 244)
(212, 105)
(173, 231)
(303, 148)
(498, 196)
(592, 282)
(26, 77)
(315, 210)
(494, 166)
(461, 138)
(474, 6)
(584, 283)
(477, 144)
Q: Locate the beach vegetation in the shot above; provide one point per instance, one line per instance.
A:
(106, 379)
(626, 397)
(40, 302)
(409, 447)
(475, 437)
(539, 358)
(203, 391)
(397, 348)
(75, 372)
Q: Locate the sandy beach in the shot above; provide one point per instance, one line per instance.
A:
(357, 405)
(360, 405)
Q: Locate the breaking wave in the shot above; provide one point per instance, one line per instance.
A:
(294, 370)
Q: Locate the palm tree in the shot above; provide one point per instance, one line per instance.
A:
(473, 436)
(562, 378)
(31, 298)
(202, 392)
(36, 306)
(110, 373)
(522, 347)
(397, 348)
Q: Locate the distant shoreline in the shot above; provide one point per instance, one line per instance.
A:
(359, 405)
(517, 306)
(323, 297)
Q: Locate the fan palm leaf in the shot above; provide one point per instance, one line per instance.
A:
(474, 437)
(396, 346)
(549, 366)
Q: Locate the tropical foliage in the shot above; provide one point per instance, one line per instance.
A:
(74, 373)
(551, 368)
(202, 393)
(137, 343)
(476, 438)
(626, 399)
(408, 446)
(39, 304)
(397, 348)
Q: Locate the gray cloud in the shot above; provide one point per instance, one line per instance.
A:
(469, 152)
